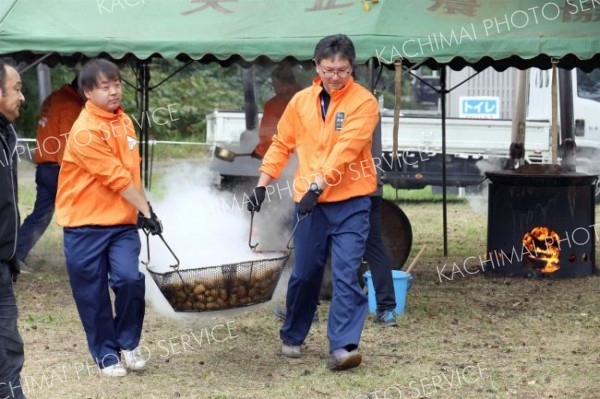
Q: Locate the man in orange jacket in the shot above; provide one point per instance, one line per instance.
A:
(285, 86)
(330, 126)
(58, 113)
(98, 201)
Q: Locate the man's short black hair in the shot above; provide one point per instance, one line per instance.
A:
(335, 45)
(93, 70)
(283, 74)
(4, 62)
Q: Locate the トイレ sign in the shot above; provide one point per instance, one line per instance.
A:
(480, 107)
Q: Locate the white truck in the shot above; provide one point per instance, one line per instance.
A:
(478, 128)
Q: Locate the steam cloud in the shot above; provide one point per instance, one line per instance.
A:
(203, 233)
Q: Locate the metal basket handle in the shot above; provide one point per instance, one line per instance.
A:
(252, 247)
(300, 218)
(147, 263)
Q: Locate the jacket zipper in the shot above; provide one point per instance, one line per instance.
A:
(323, 135)
(12, 181)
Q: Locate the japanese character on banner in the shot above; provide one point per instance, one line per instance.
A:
(213, 4)
(321, 5)
(465, 7)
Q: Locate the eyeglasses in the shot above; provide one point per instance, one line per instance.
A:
(342, 73)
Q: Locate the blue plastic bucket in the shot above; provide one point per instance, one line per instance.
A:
(402, 283)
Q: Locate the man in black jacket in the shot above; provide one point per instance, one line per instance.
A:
(11, 344)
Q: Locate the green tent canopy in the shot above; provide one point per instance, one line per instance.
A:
(521, 33)
(456, 33)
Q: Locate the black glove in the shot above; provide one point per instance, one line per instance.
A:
(308, 202)
(256, 155)
(152, 224)
(256, 198)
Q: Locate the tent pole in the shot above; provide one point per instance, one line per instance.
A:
(554, 124)
(143, 83)
(250, 106)
(371, 74)
(443, 93)
(517, 145)
(397, 90)
(44, 81)
(567, 119)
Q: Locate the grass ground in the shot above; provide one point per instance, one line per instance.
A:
(469, 337)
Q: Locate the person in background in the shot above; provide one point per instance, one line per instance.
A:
(330, 126)
(376, 254)
(12, 355)
(97, 204)
(285, 86)
(58, 113)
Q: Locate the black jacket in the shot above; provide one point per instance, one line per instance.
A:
(9, 212)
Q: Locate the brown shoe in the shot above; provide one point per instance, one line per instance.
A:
(341, 359)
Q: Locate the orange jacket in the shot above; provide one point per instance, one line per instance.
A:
(337, 149)
(271, 114)
(58, 113)
(101, 160)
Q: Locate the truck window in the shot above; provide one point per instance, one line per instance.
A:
(588, 84)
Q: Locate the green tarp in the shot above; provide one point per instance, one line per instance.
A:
(478, 32)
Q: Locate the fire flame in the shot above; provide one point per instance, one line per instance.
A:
(543, 245)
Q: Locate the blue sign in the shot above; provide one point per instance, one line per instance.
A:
(480, 107)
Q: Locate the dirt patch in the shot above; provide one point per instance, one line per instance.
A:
(467, 337)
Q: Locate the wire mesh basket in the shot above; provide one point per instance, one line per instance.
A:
(226, 286)
(222, 287)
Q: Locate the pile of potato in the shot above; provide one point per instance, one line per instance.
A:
(222, 292)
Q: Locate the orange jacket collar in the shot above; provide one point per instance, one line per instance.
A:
(317, 86)
(94, 109)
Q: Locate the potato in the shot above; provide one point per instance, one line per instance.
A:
(239, 281)
(189, 287)
(200, 298)
(176, 286)
(261, 275)
(223, 294)
(199, 289)
(210, 291)
(265, 284)
(244, 279)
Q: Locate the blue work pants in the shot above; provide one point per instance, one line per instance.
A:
(46, 180)
(341, 227)
(99, 257)
(376, 254)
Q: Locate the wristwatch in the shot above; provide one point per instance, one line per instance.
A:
(314, 187)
